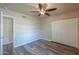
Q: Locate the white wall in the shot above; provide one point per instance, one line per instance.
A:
(31, 28)
(47, 23)
(46, 32)
(26, 29)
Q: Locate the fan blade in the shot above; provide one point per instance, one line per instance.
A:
(39, 14)
(40, 6)
(47, 14)
(51, 9)
(44, 6)
(34, 11)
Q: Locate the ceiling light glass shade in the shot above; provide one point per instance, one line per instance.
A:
(42, 12)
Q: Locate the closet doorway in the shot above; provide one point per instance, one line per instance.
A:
(8, 35)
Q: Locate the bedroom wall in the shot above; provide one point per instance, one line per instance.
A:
(26, 29)
(47, 27)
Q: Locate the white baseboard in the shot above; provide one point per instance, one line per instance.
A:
(7, 43)
(24, 43)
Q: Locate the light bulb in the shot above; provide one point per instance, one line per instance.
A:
(42, 12)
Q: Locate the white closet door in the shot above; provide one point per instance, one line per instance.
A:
(66, 31)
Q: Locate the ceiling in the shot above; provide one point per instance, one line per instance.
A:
(27, 7)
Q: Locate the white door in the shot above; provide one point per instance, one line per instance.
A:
(7, 34)
(7, 30)
(66, 32)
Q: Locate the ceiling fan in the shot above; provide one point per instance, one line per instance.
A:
(43, 11)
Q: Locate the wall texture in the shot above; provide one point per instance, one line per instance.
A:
(31, 28)
(46, 23)
(26, 29)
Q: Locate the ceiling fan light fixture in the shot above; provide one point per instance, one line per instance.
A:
(42, 12)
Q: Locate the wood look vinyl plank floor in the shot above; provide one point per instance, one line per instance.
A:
(43, 47)
(38, 50)
(8, 49)
(21, 51)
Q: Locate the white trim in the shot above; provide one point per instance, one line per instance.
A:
(2, 29)
(13, 30)
(1, 33)
(12, 23)
(7, 43)
(8, 16)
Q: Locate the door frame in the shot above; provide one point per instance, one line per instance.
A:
(13, 18)
(1, 19)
